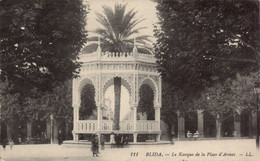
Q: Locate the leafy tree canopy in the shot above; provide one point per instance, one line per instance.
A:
(12, 105)
(40, 41)
(39, 106)
(174, 101)
(118, 31)
(57, 102)
(202, 42)
(223, 100)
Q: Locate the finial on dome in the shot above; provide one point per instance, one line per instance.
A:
(99, 41)
(99, 50)
(135, 52)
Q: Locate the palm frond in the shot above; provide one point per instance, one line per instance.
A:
(119, 28)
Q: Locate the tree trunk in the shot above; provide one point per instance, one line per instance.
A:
(218, 128)
(117, 89)
(67, 131)
(9, 131)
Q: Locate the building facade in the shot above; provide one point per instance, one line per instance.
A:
(99, 69)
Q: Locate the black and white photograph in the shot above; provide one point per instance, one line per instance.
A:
(129, 80)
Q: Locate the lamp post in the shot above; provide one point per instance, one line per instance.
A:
(257, 91)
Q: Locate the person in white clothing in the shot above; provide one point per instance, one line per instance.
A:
(11, 143)
(112, 140)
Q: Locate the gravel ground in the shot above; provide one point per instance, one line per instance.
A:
(203, 150)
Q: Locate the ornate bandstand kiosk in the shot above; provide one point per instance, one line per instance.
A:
(135, 69)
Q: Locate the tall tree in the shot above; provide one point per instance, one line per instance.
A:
(117, 34)
(118, 31)
(56, 103)
(216, 101)
(117, 90)
(40, 41)
(174, 104)
(201, 42)
(12, 105)
(197, 41)
(224, 100)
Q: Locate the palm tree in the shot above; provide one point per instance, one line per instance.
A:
(117, 90)
(118, 31)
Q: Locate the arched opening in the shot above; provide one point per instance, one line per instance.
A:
(117, 93)
(245, 123)
(145, 107)
(228, 124)
(88, 108)
(16, 130)
(191, 122)
(3, 132)
(209, 123)
(38, 128)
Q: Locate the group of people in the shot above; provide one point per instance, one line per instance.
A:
(10, 142)
(117, 140)
(195, 135)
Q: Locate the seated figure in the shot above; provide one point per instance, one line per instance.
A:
(196, 134)
(189, 134)
(234, 133)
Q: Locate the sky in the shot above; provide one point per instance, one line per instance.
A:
(146, 10)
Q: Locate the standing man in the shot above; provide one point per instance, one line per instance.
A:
(102, 142)
(60, 137)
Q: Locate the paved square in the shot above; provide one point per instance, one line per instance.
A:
(206, 150)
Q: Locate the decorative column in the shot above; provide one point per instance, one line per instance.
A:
(252, 124)
(181, 126)
(9, 131)
(29, 130)
(200, 122)
(237, 125)
(56, 123)
(134, 108)
(48, 129)
(75, 124)
(67, 131)
(158, 115)
(51, 128)
(135, 137)
(158, 118)
(99, 117)
(75, 104)
(100, 99)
